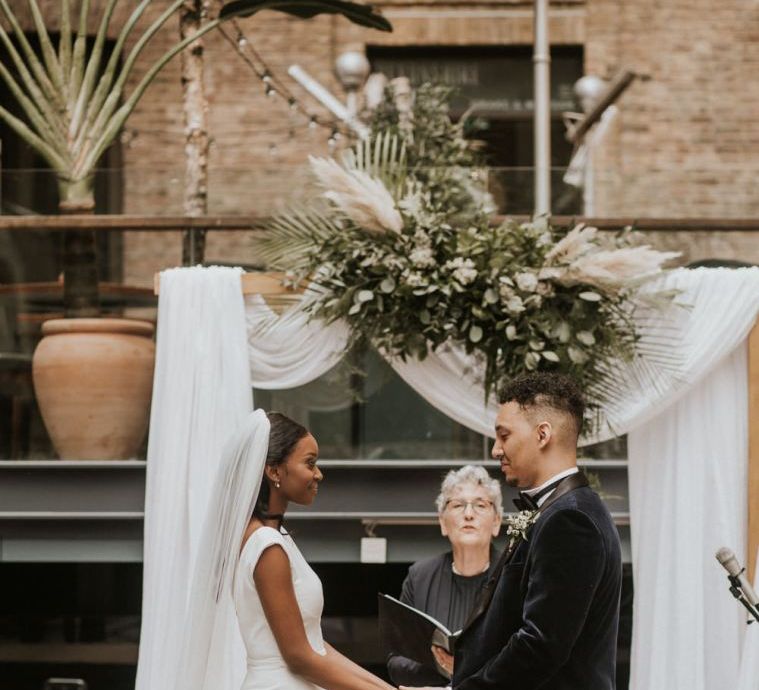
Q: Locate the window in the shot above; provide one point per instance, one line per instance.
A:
(496, 85)
(365, 411)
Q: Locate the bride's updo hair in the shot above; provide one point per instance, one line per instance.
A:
(283, 437)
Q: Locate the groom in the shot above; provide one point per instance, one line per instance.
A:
(548, 617)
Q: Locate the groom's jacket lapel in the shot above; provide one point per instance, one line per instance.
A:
(572, 482)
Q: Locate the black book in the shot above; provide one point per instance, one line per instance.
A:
(410, 632)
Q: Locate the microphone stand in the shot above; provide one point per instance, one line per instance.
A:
(737, 592)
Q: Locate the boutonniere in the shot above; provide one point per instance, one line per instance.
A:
(518, 525)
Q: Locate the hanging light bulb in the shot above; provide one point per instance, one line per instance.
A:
(241, 41)
(312, 124)
(266, 77)
(270, 91)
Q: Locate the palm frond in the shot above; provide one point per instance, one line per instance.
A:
(291, 239)
(384, 158)
(363, 15)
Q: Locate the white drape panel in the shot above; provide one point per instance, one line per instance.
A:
(447, 379)
(292, 350)
(201, 391)
(721, 306)
(687, 481)
(749, 676)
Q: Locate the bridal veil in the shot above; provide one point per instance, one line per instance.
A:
(212, 645)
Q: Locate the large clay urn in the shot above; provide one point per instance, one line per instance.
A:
(93, 379)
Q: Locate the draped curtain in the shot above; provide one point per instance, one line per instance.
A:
(688, 455)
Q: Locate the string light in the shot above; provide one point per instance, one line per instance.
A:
(275, 87)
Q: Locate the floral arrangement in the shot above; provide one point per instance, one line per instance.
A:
(518, 525)
(407, 253)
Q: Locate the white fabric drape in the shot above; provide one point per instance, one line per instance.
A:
(719, 308)
(291, 350)
(749, 675)
(201, 392)
(687, 481)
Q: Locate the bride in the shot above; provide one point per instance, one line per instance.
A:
(248, 562)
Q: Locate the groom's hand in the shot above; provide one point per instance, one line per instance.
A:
(443, 658)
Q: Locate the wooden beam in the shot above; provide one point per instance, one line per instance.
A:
(258, 223)
(268, 284)
(753, 450)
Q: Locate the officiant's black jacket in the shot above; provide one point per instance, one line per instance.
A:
(553, 617)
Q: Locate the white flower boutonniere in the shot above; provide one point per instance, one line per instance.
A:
(519, 524)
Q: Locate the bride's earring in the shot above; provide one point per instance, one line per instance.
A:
(276, 484)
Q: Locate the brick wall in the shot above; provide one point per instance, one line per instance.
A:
(685, 142)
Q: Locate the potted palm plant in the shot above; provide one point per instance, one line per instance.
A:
(93, 376)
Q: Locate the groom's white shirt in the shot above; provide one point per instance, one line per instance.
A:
(555, 478)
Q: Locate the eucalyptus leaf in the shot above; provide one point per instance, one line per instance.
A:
(531, 361)
(387, 285)
(475, 334)
(491, 296)
(550, 356)
(590, 296)
(577, 356)
(563, 332)
(585, 337)
(365, 296)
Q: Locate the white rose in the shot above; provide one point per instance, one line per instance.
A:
(416, 279)
(514, 305)
(526, 281)
(465, 275)
(422, 257)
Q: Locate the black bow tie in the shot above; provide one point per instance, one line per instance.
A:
(526, 501)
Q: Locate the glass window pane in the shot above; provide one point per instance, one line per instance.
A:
(368, 412)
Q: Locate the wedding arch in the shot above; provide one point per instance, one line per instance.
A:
(688, 439)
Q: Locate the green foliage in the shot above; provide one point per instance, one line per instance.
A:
(519, 296)
(439, 156)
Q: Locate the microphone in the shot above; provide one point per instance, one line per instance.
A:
(729, 562)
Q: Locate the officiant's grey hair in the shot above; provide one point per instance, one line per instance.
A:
(470, 475)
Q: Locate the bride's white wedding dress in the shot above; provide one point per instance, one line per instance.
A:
(267, 669)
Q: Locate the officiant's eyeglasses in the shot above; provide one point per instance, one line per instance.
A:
(479, 506)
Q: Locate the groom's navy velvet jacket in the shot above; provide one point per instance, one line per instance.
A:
(553, 617)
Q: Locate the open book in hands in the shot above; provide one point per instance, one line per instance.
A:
(410, 632)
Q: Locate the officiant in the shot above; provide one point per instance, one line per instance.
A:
(446, 586)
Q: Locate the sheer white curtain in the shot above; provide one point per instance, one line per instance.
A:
(687, 473)
(201, 392)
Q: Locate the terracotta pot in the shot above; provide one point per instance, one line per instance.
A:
(93, 379)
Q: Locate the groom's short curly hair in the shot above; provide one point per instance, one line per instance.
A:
(542, 389)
